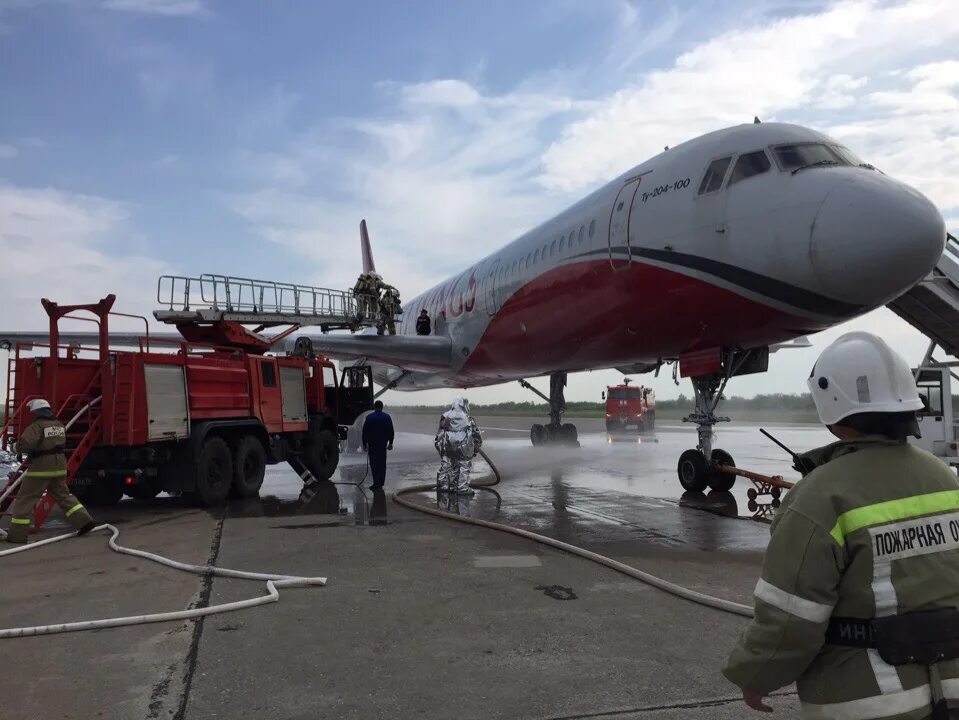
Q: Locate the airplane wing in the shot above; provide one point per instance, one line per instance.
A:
(419, 352)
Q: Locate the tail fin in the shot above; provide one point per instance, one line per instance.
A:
(368, 264)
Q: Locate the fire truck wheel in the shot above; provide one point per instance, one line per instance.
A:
(322, 455)
(214, 472)
(693, 471)
(720, 481)
(249, 467)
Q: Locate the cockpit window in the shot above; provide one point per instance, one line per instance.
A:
(713, 179)
(849, 156)
(754, 163)
(794, 157)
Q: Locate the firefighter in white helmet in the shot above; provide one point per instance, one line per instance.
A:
(43, 442)
(860, 583)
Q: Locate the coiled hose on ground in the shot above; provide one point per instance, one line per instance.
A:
(273, 584)
(645, 577)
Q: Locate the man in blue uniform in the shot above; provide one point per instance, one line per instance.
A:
(377, 439)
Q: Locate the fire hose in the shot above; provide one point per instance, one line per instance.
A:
(645, 577)
(273, 584)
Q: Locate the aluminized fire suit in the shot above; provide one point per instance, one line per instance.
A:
(457, 440)
(871, 533)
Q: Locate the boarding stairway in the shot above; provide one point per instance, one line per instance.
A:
(932, 306)
(212, 298)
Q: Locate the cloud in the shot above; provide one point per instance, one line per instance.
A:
(444, 175)
(809, 68)
(7, 152)
(157, 7)
(71, 248)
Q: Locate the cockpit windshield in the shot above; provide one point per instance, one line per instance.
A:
(796, 157)
(805, 155)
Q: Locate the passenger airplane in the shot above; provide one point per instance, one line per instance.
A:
(707, 255)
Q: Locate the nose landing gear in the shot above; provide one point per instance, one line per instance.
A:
(699, 468)
(556, 432)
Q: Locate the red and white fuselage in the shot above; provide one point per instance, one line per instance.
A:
(741, 238)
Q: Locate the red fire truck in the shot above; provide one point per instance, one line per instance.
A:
(629, 406)
(201, 415)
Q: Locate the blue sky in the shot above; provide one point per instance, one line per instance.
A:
(139, 137)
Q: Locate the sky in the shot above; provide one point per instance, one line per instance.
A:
(149, 137)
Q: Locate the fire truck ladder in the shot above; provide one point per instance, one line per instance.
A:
(212, 298)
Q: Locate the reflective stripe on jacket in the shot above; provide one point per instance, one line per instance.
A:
(873, 531)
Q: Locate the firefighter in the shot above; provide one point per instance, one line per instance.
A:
(389, 309)
(460, 438)
(378, 437)
(367, 293)
(43, 442)
(423, 323)
(860, 582)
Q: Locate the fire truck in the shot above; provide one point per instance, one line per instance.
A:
(629, 406)
(200, 414)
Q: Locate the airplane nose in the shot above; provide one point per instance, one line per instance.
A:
(874, 238)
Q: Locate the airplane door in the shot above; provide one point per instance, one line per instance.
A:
(490, 293)
(619, 250)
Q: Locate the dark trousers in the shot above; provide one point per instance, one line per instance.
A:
(378, 465)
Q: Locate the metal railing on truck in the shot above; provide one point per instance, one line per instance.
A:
(211, 297)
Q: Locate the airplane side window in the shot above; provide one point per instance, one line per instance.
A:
(529, 260)
(536, 256)
(552, 248)
(581, 231)
(562, 242)
(592, 227)
(713, 179)
(754, 163)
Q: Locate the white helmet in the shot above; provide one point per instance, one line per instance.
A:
(38, 404)
(860, 373)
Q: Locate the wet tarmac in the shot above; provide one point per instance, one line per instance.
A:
(609, 490)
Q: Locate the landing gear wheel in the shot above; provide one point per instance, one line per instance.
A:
(752, 493)
(537, 435)
(776, 493)
(214, 472)
(693, 471)
(249, 467)
(321, 455)
(720, 481)
(570, 435)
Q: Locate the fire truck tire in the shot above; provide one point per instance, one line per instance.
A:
(651, 421)
(693, 471)
(214, 472)
(720, 481)
(249, 466)
(322, 454)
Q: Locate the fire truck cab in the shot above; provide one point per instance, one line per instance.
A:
(629, 406)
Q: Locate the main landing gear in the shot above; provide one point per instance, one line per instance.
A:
(556, 432)
(695, 471)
